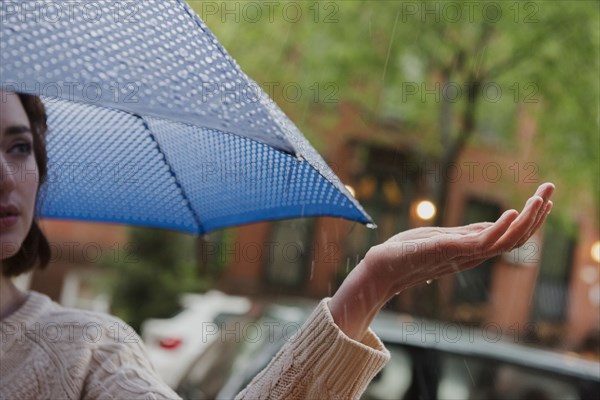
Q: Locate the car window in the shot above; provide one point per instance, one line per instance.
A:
(429, 374)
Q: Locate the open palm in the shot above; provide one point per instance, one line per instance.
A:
(417, 255)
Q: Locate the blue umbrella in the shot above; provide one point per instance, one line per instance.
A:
(152, 123)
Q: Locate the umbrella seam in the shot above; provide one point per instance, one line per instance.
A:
(174, 175)
(189, 10)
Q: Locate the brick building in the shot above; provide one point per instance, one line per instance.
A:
(549, 288)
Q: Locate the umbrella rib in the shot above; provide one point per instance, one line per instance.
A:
(172, 172)
(293, 150)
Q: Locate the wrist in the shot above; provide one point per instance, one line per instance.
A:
(380, 275)
(357, 302)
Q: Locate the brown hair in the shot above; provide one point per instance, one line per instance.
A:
(35, 249)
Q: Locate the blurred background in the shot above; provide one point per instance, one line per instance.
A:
(432, 113)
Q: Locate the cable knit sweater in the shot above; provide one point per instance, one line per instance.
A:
(48, 351)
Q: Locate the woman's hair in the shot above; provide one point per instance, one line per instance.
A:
(35, 249)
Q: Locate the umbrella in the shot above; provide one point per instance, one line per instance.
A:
(152, 123)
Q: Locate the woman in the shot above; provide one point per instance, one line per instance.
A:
(48, 351)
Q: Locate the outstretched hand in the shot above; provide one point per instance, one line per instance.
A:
(417, 255)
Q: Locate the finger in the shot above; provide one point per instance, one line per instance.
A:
(544, 191)
(538, 223)
(519, 228)
(499, 228)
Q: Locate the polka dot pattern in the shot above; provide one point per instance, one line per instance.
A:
(112, 166)
(103, 165)
(150, 57)
(153, 123)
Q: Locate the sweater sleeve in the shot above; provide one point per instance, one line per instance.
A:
(320, 362)
(120, 369)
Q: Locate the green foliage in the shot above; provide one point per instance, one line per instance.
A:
(543, 55)
(149, 275)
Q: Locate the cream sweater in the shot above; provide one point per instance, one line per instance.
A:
(51, 352)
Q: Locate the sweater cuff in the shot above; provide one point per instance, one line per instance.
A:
(349, 365)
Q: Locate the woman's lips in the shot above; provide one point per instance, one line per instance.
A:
(8, 221)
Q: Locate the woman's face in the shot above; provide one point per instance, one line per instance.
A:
(19, 175)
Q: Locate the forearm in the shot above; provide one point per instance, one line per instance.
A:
(358, 300)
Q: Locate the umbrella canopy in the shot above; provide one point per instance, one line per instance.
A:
(152, 123)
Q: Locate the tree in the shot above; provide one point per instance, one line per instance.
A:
(148, 280)
(386, 55)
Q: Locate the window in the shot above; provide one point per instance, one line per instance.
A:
(386, 187)
(289, 253)
(550, 298)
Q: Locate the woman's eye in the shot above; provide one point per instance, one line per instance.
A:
(22, 148)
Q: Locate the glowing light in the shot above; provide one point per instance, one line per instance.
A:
(596, 251)
(426, 210)
(351, 190)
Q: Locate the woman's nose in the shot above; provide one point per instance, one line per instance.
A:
(7, 175)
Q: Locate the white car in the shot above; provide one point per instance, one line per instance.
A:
(174, 344)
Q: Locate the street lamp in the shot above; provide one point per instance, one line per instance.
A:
(425, 210)
(351, 190)
(596, 251)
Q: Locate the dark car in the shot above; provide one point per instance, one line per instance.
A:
(430, 360)
(442, 360)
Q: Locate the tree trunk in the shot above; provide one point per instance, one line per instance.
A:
(430, 295)
(453, 150)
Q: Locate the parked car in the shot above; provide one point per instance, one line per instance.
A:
(439, 360)
(174, 344)
(430, 360)
(245, 347)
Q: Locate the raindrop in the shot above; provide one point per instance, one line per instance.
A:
(183, 52)
(112, 73)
